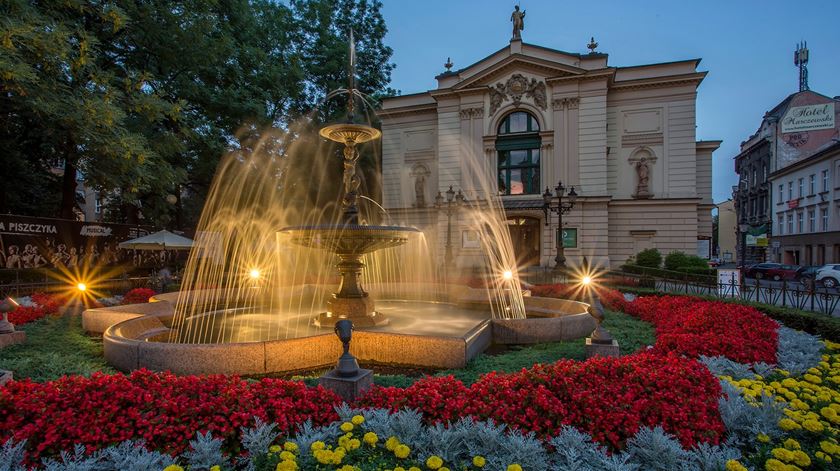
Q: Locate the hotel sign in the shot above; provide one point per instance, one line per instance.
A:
(808, 118)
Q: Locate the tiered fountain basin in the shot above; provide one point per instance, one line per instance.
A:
(445, 333)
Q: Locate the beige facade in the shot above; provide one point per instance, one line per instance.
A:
(623, 136)
(727, 231)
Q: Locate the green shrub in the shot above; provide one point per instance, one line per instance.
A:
(677, 260)
(706, 271)
(650, 258)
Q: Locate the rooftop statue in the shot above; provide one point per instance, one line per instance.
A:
(518, 19)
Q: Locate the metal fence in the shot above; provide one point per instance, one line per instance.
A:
(11, 285)
(804, 296)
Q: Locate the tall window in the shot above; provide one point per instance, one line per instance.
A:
(518, 147)
(825, 180)
(812, 220)
(781, 218)
(824, 217)
(790, 223)
(812, 184)
(800, 222)
(801, 187)
(790, 191)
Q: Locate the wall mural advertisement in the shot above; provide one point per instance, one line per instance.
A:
(809, 124)
(30, 242)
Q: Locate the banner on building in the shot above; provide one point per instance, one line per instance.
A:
(757, 236)
(30, 242)
(570, 238)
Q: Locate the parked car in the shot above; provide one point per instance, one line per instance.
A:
(808, 273)
(772, 271)
(829, 276)
(715, 262)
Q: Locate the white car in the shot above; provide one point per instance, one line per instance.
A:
(829, 276)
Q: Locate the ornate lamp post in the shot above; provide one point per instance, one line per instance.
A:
(555, 204)
(452, 203)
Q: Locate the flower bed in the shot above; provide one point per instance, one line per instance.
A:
(138, 296)
(163, 409)
(41, 305)
(609, 398)
(695, 327)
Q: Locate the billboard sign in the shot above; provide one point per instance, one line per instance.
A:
(808, 118)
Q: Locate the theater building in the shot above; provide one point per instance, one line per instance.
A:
(527, 117)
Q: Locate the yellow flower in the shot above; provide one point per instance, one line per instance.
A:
(829, 447)
(287, 456)
(319, 445)
(434, 462)
(775, 465)
(399, 468)
(479, 461)
(763, 438)
(274, 449)
(215, 468)
(443, 468)
(286, 466)
(792, 444)
(173, 467)
(353, 444)
(813, 426)
(782, 454)
(357, 420)
(801, 458)
(347, 467)
(414, 468)
(391, 443)
(733, 465)
(371, 438)
(514, 467)
(346, 427)
(788, 425)
(402, 451)
(290, 446)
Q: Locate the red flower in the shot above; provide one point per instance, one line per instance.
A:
(138, 296)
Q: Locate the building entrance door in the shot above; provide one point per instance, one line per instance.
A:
(525, 238)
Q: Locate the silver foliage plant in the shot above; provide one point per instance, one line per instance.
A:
(798, 351)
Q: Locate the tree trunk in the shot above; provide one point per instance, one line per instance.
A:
(68, 184)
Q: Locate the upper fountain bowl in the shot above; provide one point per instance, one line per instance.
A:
(349, 239)
(349, 133)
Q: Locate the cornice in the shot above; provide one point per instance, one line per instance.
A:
(408, 110)
(590, 75)
(658, 82)
(514, 61)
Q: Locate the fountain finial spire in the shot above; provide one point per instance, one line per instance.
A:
(351, 75)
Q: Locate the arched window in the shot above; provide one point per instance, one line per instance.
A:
(518, 147)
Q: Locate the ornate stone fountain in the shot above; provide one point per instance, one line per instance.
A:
(349, 240)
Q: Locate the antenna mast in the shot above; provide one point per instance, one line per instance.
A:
(800, 59)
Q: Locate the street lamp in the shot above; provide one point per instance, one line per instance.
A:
(452, 203)
(560, 207)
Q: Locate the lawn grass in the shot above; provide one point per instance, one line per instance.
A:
(631, 334)
(58, 346)
(55, 346)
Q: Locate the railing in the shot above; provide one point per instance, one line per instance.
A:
(24, 282)
(804, 296)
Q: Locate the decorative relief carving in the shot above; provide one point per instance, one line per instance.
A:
(514, 89)
(468, 113)
(563, 103)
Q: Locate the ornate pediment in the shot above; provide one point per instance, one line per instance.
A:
(512, 65)
(514, 89)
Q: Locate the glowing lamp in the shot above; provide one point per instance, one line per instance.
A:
(254, 274)
(81, 287)
(586, 280)
(507, 275)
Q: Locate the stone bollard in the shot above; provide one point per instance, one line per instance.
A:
(600, 342)
(347, 379)
(8, 334)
